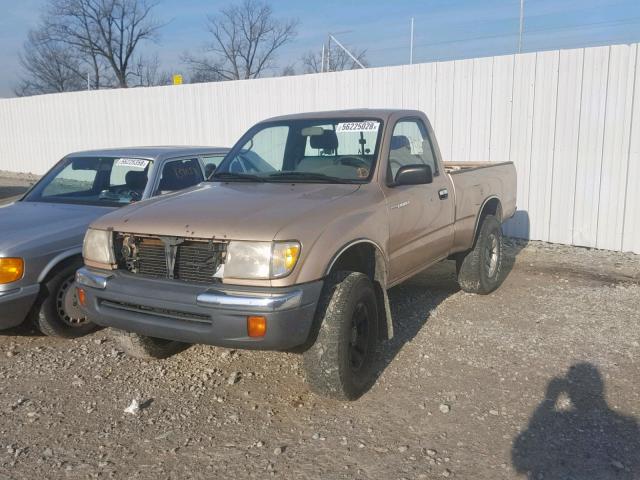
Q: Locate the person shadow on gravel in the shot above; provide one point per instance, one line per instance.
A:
(574, 435)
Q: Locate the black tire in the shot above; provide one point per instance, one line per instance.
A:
(480, 269)
(57, 313)
(340, 363)
(144, 347)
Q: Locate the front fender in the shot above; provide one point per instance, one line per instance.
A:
(367, 226)
(51, 264)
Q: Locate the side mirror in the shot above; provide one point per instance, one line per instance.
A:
(418, 174)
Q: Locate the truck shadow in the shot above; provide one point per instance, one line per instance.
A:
(413, 301)
(574, 434)
(516, 237)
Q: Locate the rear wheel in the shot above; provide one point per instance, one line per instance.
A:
(58, 313)
(340, 363)
(146, 348)
(480, 269)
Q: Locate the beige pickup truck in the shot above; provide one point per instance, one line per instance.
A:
(294, 241)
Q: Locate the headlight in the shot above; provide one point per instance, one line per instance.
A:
(11, 269)
(260, 260)
(98, 247)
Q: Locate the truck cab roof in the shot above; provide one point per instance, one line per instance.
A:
(381, 113)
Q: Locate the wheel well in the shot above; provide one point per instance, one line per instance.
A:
(360, 257)
(365, 257)
(490, 207)
(65, 262)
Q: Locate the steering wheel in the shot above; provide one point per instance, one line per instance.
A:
(118, 194)
(354, 162)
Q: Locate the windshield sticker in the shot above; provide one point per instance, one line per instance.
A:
(366, 126)
(132, 162)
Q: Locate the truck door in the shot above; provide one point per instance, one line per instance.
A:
(420, 216)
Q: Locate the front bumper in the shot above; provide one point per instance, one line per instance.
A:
(15, 305)
(214, 315)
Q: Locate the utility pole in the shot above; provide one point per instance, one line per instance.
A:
(88, 81)
(521, 26)
(358, 62)
(411, 47)
(322, 67)
(329, 53)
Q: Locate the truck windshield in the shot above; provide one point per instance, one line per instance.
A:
(106, 181)
(341, 150)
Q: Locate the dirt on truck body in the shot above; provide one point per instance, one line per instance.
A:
(319, 215)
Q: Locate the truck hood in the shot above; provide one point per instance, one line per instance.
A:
(45, 226)
(234, 210)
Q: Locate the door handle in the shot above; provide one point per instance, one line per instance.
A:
(443, 194)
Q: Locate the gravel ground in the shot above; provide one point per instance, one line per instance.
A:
(541, 377)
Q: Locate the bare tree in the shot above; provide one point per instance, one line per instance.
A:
(147, 72)
(245, 40)
(288, 71)
(335, 60)
(108, 30)
(48, 66)
(202, 69)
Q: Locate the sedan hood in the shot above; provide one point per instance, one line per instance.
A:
(234, 210)
(44, 226)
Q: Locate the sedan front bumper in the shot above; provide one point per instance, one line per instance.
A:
(191, 313)
(15, 305)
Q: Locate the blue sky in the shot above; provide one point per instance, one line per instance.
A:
(444, 29)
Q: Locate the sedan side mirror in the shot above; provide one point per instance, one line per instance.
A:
(418, 174)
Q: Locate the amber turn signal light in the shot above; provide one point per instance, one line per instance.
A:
(81, 296)
(11, 269)
(256, 326)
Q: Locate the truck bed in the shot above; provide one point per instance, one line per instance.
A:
(474, 184)
(459, 167)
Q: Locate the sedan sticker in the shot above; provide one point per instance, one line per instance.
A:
(366, 126)
(132, 163)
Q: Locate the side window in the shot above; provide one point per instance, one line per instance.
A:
(211, 163)
(179, 174)
(410, 145)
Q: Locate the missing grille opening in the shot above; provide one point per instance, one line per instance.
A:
(186, 259)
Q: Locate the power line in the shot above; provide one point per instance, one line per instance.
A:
(510, 34)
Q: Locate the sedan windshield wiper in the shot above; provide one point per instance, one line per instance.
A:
(247, 177)
(309, 176)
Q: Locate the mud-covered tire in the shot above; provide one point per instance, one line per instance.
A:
(56, 312)
(144, 347)
(480, 269)
(341, 362)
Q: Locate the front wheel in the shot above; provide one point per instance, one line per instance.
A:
(58, 313)
(340, 363)
(480, 269)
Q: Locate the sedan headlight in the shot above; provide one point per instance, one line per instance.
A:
(260, 260)
(98, 247)
(11, 269)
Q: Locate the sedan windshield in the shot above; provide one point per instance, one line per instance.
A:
(309, 150)
(108, 181)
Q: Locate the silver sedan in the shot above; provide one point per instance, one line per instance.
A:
(41, 234)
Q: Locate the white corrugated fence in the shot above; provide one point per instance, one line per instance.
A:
(569, 119)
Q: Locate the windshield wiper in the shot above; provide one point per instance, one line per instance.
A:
(235, 176)
(309, 176)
